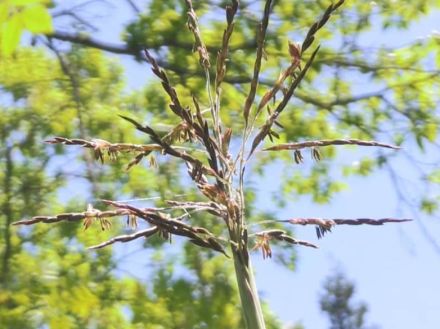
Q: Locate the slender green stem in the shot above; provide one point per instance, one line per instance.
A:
(250, 301)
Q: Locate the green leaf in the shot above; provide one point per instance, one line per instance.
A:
(4, 12)
(429, 206)
(10, 35)
(37, 19)
(431, 131)
(434, 177)
(17, 15)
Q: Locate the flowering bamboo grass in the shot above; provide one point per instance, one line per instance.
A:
(217, 174)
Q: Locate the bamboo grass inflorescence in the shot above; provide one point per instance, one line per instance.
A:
(219, 176)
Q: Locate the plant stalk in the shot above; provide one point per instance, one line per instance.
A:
(250, 302)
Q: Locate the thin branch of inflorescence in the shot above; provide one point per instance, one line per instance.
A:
(282, 236)
(89, 216)
(341, 221)
(222, 54)
(314, 145)
(204, 60)
(319, 24)
(160, 221)
(328, 142)
(175, 105)
(267, 127)
(261, 37)
(211, 207)
(263, 241)
(199, 128)
(100, 146)
(127, 238)
(170, 150)
(325, 225)
(197, 235)
(195, 123)
(296, 54)
(72, 217)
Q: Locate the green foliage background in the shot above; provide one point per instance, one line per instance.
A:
(75, 89)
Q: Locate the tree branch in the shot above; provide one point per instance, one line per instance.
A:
(124, 49)
(86, 40)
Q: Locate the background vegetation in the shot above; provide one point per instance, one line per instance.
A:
(62, 80)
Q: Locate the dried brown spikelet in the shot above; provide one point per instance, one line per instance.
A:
(152, 161)
(297, 156)
(262, 242)
(316, 155)
(89, 216)
(295, 52)
(105, 224)
(132, 221)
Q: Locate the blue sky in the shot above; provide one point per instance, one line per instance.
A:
(396, 270)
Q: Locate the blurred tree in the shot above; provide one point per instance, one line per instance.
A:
(337, 303)
(17, 16)
(80, 91)
(43, 284)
